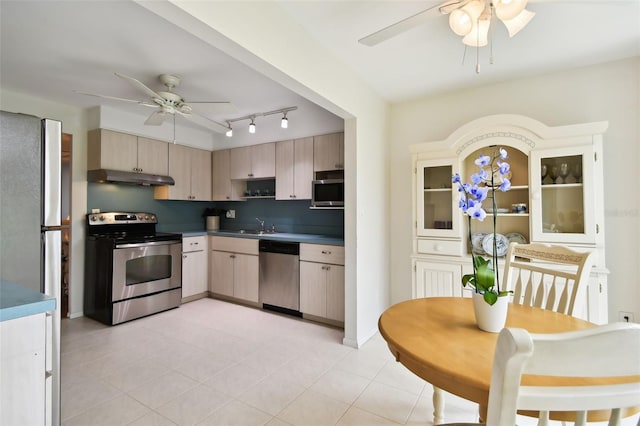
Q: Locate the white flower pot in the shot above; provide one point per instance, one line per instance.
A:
(491, 318)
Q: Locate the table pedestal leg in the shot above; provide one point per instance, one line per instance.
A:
(438, 406)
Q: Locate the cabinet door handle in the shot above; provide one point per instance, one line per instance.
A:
(328, 267)
(326, 252)
(233, 256)
(250, 175)
(184, 256)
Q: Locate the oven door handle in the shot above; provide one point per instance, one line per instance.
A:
(147, 244)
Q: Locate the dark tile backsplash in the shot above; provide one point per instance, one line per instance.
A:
(174, 216)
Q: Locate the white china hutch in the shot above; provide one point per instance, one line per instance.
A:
(556, 197)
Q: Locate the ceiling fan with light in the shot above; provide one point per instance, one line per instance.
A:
(169, 104)
(470, 19)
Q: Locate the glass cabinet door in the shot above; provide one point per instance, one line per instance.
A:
(436, 202)
(563, 182)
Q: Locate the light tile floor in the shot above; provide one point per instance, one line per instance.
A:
(215, 363)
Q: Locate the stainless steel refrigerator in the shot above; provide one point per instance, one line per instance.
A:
(30, 222)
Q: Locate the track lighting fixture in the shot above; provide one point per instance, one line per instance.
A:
(284, 122)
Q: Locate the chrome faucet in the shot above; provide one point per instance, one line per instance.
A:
(261, 224)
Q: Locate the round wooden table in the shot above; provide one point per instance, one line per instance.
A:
(438, 340)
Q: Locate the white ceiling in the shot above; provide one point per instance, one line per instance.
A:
(51, 48)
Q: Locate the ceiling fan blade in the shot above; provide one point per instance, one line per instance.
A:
(207, 123)
(406, 24)
(138, 85)
(144, 103)
(155, 119)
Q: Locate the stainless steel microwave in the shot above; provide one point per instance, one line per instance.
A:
(328, 193)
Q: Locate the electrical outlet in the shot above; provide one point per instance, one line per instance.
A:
(231, 214)
(625, 316)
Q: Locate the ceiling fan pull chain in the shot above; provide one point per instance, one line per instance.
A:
(478, 46)
(491, 29)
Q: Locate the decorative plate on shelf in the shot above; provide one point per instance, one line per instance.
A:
(476, 242)
(514, 237)
(502, 244)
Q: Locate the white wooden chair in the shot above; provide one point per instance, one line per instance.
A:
(611, 350)
(546, 276)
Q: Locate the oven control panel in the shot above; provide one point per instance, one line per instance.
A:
(114, 218)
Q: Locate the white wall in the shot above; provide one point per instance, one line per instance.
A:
(255, 34)
(74, 121)
(608, 92)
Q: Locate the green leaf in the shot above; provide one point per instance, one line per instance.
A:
(485, 277)
(469, 279)
(490, 297)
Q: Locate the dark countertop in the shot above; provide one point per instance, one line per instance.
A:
(17, 301)
(277, 236)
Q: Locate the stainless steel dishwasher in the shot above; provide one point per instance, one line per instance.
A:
(279, 278)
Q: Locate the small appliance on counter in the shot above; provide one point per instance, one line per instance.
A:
(131, 270)
(212, 218)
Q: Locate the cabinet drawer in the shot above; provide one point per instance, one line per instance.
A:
(322, 253)
(440, 247)
(198, 243)
(235, 245)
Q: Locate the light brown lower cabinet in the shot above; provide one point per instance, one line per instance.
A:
(233, 264)
(322, 281)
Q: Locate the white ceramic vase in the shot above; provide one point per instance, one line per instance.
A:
(491, 318)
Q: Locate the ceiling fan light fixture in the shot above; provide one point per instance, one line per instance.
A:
(460, 22)
(519, 22)
(479, 34)
(474, 9)
(509, 9)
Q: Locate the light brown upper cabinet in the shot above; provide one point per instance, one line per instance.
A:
(328, 152)
(191, 170)
(112, 150)
(222, 187)
(253, 162)
(294, 169)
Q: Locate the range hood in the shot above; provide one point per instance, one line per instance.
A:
(133, 178)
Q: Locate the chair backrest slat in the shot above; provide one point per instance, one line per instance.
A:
(546, 276)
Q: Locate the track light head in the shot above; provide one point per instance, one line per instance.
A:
(252, 127)
(229, 131)
(284, 123)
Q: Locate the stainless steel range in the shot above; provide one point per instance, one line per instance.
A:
(131, 270)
